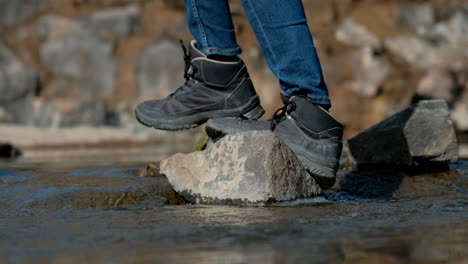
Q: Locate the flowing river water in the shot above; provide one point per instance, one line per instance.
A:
(99, 210)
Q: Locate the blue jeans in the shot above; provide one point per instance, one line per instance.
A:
(282, 32)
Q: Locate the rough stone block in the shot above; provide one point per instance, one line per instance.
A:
(419, 135)
(253, 167)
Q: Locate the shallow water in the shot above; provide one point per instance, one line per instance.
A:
(64, 213)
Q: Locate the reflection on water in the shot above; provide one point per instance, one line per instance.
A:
(411, 226)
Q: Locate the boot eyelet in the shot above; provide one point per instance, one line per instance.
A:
(291, 107)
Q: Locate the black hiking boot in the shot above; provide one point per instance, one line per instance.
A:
(212, 89)
(310, 131)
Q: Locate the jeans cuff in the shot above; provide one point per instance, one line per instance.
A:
(323, 100)
(225, 52)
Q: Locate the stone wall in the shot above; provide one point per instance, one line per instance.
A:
(65, 63)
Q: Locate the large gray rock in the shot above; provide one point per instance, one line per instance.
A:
(14, 11)
(160, 70)
(80, 61)
(253, 167)
(356, 34)
(17, 87)
(420, 135)
(120, 21)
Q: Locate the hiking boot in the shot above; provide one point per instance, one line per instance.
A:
(212, 89)
(309, 130)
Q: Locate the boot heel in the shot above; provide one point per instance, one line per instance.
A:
(255, 113)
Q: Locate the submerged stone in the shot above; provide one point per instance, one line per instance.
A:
(253, 167)
(94, 188)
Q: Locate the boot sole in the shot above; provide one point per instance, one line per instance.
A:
(325, 176)
(253, 110)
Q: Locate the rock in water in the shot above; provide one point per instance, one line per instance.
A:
(420, 135)
(253, 167)
(8, 151)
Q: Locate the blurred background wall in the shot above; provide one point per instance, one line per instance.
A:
(69, 63)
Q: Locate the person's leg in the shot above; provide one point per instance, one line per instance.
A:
(303, 123)
(282, 31)
(217, 82)
(210, 23)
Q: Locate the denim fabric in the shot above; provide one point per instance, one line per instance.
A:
(282, 32)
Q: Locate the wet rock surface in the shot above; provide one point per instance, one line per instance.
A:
(94, 188)
(420, 135)
(253, 167)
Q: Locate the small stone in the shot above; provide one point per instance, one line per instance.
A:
(437, 84)
(151, 170)
(253, 167)
(8, 151)
(420, 135)
(356, 34)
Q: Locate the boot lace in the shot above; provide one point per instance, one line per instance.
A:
(189, 72)
(281, 114)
